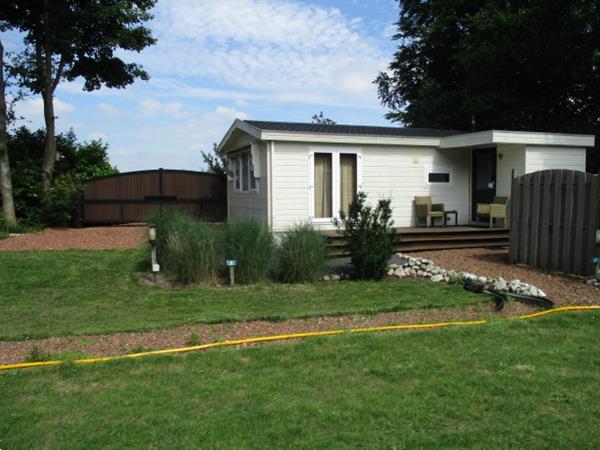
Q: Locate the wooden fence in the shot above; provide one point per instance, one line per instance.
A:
(554, 217)
(132, 196)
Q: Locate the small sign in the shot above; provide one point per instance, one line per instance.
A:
(155, 268)
(231, 263)
(596, 260)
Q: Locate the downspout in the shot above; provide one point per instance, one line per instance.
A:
(270, 156)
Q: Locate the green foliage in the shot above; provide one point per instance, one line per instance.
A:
(320, 118)
(77, 163)
(301, 253)
(510, 65)
(192, 339)
(369, 236)
(84, 39)
(187, 247)
(36, 354)
(215, 162)
(250, 242)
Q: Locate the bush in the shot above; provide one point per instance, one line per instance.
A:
(186, 247)
(301, 254)
(250, 243)
(369, 236)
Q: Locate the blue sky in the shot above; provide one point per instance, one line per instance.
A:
(216, 60)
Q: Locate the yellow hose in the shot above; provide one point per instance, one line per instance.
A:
(283, 337)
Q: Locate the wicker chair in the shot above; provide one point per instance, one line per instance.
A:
(498, 209)
(428, 211)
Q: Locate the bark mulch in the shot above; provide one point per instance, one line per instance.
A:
(490, 262)
(93, 238)
(123, 343)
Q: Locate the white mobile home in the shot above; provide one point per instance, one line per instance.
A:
(288, 173)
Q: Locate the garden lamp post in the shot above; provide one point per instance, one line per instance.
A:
(152, 241)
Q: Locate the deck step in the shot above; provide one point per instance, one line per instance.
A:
(425, 239)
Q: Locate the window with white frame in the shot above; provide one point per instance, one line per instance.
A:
(335, 176)
(243, 172)
(438, 176)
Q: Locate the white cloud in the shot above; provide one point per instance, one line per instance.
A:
(281, 49)
(108, 109)
(222, 114)
(32, 110)
(35, 106)
(149, 107)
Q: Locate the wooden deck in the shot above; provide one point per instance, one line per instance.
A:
(415, 239)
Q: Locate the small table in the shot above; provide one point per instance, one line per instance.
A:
(449, 213)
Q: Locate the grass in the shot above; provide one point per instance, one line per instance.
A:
(60, 293)
(508, 384)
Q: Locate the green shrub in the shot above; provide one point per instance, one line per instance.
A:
(192, 339)
(250, 243)
(187, 247)
(301, 254)
(36, 354)
(369, 236)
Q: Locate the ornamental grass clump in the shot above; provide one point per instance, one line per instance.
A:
(251, 244)
(187, 248)
(301, 254)
(369, 236)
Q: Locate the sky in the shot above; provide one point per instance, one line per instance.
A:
(218, 60)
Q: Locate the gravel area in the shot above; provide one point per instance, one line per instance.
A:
(93, 238)
(123, 343)
(489, 262)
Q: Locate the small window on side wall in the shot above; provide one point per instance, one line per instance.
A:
(438, 176)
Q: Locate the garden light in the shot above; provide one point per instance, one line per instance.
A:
(152, 241)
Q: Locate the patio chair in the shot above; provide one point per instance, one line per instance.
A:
(498, 209)
(427, 210)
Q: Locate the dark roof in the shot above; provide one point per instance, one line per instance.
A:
(297, 127)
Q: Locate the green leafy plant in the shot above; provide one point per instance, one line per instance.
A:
(192, 339)
(187, 247)
(36, 354)
(302, 251)
(369, 236)
(250, 242)
(139, 349)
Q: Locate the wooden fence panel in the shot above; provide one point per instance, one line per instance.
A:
(554, 217)
(132, 196)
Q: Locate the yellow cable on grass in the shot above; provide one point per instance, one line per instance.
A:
(283, 337)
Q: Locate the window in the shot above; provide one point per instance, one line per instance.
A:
(236, 173)
(438, 176)
(348, 185)
(323, 185)
(334, 180)
(243, 173)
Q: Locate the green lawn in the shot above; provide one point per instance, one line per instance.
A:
(508, 384)
(58, 293)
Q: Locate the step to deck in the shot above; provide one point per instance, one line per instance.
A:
(425, 239)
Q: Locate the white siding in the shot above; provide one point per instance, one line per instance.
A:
(250, 205)
(513, 159)
(545, 157)
(394, 172)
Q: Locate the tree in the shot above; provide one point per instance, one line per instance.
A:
(77, 163)
(216, 162)
(67, 39)
(517, 65)
(320, 118)
(8, 206)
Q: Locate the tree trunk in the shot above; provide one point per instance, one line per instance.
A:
(50, 144)
(8, 204)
